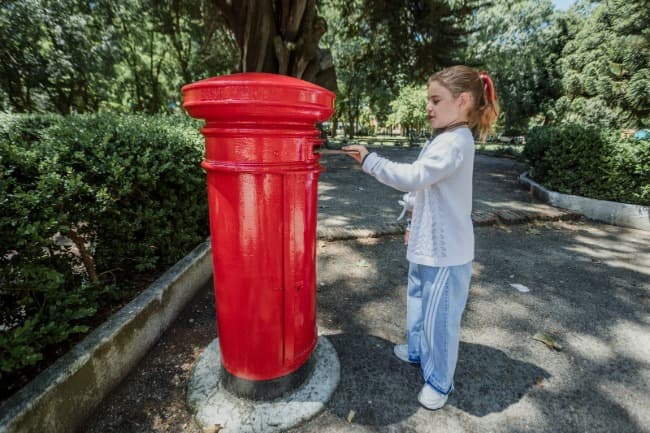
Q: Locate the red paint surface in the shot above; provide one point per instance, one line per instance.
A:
(262, 177)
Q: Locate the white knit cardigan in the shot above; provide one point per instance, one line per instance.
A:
(439, 194)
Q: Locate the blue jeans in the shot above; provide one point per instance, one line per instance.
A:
(436, 299)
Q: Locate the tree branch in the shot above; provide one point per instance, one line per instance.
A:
(87, 259)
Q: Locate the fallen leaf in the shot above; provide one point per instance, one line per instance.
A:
(362, 264)
(520, 287)
(548, 340)
(351, 415)
(534, 232)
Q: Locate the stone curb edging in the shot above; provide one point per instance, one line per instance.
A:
(345, 233)
(614, 213)
(510, 216)
(479, 218)
(65, 394)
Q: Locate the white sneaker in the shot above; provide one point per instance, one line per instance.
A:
(430, 398)
(402, 352)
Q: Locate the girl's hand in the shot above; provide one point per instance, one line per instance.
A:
(407, 232)
(356, 151)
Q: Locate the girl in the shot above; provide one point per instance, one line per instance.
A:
(441, 240)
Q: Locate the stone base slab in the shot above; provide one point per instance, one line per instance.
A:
(215, 407)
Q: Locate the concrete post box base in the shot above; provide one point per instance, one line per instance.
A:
(266, 389)
(213, 405)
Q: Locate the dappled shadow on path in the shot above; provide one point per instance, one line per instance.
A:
(488, 380)
(383, 390)
(589, 287)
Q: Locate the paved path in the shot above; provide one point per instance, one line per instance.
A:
(352, 204)
(589, 288)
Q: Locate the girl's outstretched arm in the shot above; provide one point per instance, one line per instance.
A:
(433, 166)
(357, 152)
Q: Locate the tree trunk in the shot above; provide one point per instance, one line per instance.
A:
(281, 37)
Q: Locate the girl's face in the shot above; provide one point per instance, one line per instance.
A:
(443, 109)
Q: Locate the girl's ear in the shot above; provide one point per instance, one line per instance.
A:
(465, 100)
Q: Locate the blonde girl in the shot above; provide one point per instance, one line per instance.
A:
(438, 201)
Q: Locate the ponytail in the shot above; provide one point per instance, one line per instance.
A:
(487, 107)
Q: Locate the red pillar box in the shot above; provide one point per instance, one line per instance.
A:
(262, 176)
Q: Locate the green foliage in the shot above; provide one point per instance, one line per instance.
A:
(74, 56)
(360, 83)
(54, 310)
(604, 69)
(586, 161)
(376, 53)
(58, 55)
(132, 180)
(411, 41)
(87, 202)
(409, 109)
(519, 43)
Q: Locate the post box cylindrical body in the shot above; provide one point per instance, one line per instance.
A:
(262, 176)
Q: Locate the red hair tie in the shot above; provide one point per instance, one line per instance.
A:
(488, 85)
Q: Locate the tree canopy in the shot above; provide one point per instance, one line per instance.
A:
(123, 55)
(586, 65)
(605, 68)
(519, 43)
(406, 109)
(381, 46)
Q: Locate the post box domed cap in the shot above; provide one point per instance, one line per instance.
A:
(257, 95)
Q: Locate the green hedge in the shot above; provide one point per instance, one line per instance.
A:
(589, 162)
(125, 193)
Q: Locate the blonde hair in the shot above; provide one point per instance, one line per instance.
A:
(485, 108)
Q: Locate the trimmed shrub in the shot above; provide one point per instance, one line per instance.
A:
(585, 161)
(629, 166)
(86, 204)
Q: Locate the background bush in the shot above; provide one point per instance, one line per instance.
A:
(86, 203)
(586, 161)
